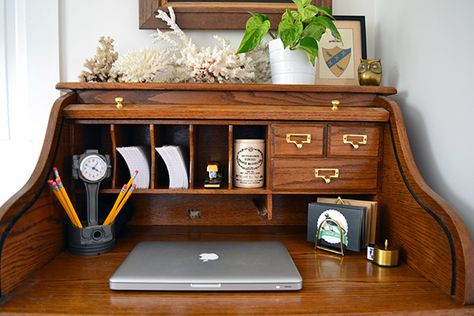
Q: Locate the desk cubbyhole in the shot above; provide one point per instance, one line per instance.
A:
(128, 135)
(168, 135)
(249, 131)
(248, 136)
(210, 145)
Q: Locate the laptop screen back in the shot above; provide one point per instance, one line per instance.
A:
(207, 266)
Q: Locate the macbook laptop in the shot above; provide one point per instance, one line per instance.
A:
(207, 266)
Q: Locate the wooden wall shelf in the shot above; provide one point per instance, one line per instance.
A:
(37, 274)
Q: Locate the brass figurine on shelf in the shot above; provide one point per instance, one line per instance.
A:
(214, 177)
(370, 72)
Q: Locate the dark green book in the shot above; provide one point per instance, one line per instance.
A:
(351, 219)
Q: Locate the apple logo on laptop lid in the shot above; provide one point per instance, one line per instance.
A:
(205, 257)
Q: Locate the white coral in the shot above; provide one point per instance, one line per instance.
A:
(100, 66)
(142, 66)
(181, 61)
(218, 63)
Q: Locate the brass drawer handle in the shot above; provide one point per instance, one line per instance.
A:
(335, 105)
(326, 174)
(360, 140)
(119, 101)
(298, 143)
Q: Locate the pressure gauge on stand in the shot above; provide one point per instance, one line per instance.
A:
(92, 168)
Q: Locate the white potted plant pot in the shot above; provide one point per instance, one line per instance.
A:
(290, 66)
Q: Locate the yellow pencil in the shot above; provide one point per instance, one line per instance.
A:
(121, 195)
(117, 202)
(58, 195)
(65, 196)
(119, 208)
(71, 209)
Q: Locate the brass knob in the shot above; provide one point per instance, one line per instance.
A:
(119, 101)
(335, 104)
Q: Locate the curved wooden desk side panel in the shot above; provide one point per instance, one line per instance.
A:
(31, 225)
(435, 241)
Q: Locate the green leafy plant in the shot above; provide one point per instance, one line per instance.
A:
(300, 29)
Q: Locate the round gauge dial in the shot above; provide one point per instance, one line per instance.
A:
(93, 168)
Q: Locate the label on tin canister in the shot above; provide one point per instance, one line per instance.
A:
(249, 157)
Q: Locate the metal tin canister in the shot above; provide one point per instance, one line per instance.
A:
(249, 163)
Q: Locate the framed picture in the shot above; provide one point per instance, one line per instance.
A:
(214, 15)
(338, 61)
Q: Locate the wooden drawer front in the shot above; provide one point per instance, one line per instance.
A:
(353, 140)
(300, 140)
(356, 174)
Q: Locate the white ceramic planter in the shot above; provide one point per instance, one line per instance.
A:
(290, 66)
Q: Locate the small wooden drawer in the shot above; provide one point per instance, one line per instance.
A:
(353, 140)
(336, 174)
(298, 140)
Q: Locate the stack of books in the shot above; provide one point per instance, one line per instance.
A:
(137, 158)
(177, 171)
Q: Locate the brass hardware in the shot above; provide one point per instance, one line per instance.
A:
(326, 177)
(355, 143)
(119, 101)
(335, 104)
(318, 237)
(298, 143)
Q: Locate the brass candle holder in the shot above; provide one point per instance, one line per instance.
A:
(386, 257)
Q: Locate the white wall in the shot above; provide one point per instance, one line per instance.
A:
(31, 54)
(427, 53)
(83, 22)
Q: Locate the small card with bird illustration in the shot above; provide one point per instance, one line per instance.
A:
(337, 219)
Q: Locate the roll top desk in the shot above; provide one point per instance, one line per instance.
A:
(319, 141)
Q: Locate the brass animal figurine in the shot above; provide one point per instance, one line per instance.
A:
(370, 72)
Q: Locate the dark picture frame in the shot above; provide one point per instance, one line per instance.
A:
(335, 65)
(214, 15)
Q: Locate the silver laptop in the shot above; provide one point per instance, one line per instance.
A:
(207, 266)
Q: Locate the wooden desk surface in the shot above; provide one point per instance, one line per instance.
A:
(72, 284)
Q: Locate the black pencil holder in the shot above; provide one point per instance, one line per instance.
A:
(92, 240)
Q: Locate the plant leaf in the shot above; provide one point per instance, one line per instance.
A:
(290, 28)
(257, 26)
(308, 12)
(327, 12)
(310, 47)
(327, 23)
(305, 9)
(315, 31)
(301, 3)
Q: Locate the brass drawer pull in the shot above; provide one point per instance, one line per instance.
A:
(360, 140)
(119, 101)
(299, 143)
(326, 174)
(335, 105)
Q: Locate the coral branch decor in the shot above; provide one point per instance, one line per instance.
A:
(180, 60)
(100, 66)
